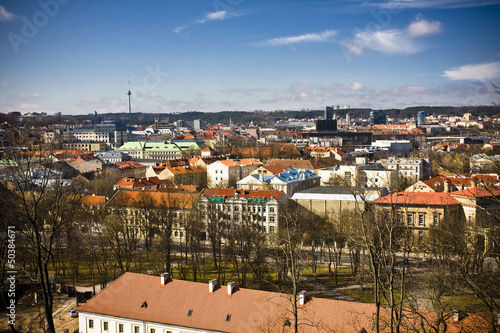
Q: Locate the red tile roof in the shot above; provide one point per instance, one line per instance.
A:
(418, 198)
(479, 191)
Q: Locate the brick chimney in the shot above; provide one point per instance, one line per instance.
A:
(447, 183)
(231, 286)
(165, 277)
(212, 284)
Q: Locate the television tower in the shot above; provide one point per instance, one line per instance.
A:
(129, 93)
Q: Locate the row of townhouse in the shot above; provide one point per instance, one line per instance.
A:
(230, 206)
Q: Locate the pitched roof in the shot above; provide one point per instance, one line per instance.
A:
(182, 199)
(250, 310)
(131, 182)
(93, 200)
(142, 297)
(479, 191)
(275, 169)
(418, 198)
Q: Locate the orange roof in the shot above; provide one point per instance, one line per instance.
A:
(93, 200)
(189, 304)
(131, 182)
(229, 192)
(479, 191)
(129, 165)
(181, 200)
(249, 310)
(418, 198)
(183, 170)
(275, 169)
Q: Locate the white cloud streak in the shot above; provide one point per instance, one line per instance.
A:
(324, 36)
(388, 41)
(485, 71)
(213, 16)
(5, 15)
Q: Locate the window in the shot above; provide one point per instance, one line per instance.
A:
(271, 209)
(190, 313)
(271, 229)
(105, 326)
(137, 329)
(420, 236)
(120, 328)
(410, 219)
(271, 219)
(152, 330)
(91, 323)
(436, 219)
(228, 317)
(421, 220)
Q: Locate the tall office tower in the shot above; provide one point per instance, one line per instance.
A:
(377, 117)
(420, 118)
(328, 113)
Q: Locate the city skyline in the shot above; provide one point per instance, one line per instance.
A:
(75, 57)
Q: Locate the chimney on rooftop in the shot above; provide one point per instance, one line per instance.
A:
(231, 286)
(446, 186)
(302, 298)
(165, 277)
(456, 315)
(211, 285)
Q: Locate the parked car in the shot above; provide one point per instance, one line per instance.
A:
(73, 313)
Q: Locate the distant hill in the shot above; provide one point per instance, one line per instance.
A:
(267, 118)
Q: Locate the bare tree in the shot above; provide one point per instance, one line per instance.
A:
(48, 204)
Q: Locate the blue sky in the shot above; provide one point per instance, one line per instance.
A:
(75, 56)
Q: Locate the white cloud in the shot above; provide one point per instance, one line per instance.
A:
(220, 15)
(310, 37)
(5, 15)
(388, 41)
(422, 27)
(355, 86)
(485, 71)
(179, 28)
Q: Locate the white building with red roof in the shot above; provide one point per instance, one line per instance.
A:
(138, 303)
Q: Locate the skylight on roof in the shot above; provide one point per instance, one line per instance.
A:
(228, 317)
(190, 312)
